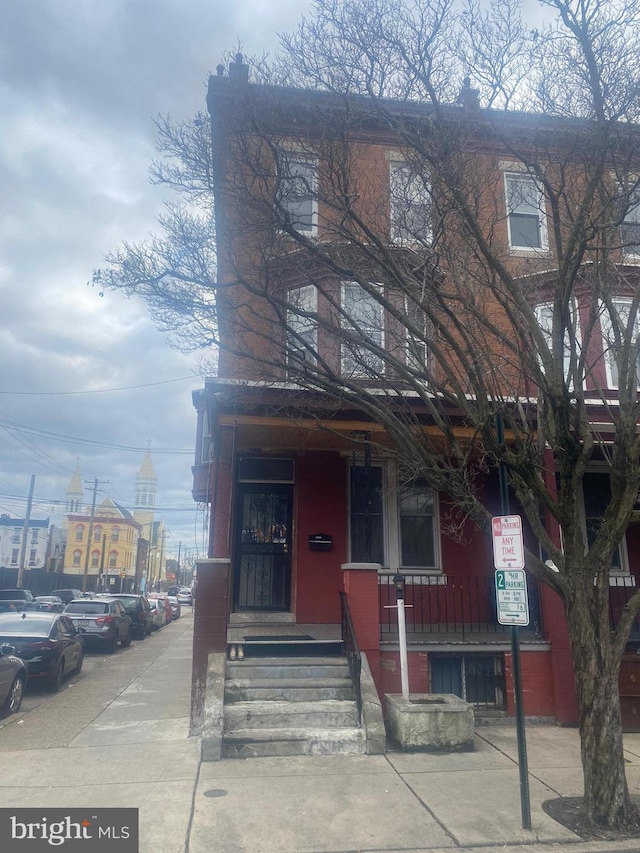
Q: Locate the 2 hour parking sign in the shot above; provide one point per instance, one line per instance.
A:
(511, 597)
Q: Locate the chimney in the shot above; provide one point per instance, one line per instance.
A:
(468, 97)
(238, 70)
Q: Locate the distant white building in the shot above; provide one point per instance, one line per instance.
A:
(11, 536)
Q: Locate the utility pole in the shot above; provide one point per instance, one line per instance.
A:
(25, 532)
(96, 483)
(178, 574)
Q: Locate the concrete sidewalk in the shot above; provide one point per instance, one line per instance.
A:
(121, 739)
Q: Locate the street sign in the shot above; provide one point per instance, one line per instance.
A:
(508, 545)
(511, 597)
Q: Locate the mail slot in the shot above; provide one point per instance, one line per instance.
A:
(320, 542)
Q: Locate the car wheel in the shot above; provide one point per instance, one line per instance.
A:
(111, 645)
(140, 633)
(14, 698)
(56, 681)
(126, 643)
(78, 668)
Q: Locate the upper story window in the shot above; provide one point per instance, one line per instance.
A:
(77, 555)
(417, 350)
(526, 218)
(544, 316)
(16, 534)
(596, 496)
(115, 534)
(362, 321)
(34, 536)
(611, 348)
(79, 532)
(410, 204)
(302, 335)
(630, 228)
(297, 191)
(113, 559)
(95, 559)
(97, 533)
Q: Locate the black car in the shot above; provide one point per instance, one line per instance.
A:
(47, 642)
(49, 603)
(67, 595)
(139, 610)
(103, 621)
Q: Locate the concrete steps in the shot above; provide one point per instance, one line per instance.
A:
(290, 706)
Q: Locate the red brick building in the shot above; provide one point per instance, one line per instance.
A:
(308, 494)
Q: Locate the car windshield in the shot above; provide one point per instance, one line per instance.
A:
(9, 594)
(127, 600)
(20, 627)
(53, 598)
(87, 607)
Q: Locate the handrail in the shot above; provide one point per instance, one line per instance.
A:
(351, 651)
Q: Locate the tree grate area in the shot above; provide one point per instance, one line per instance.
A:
(571, 813)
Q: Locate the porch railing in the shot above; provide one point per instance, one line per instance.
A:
(351, 651)
(446, 604)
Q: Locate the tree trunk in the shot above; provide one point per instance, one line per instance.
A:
(606, 794)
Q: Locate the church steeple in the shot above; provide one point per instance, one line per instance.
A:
(75, 493)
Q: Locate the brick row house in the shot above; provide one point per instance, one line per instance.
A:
(321, 208)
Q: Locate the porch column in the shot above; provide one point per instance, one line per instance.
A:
(360, 582)
(209, 625)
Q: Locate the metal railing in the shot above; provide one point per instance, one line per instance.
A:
(351, 651)
(447, 604)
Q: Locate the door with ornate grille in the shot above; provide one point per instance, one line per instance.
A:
(262, 576)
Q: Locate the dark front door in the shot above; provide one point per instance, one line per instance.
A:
(262, 576)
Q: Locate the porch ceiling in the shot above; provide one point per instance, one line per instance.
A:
(277, 432)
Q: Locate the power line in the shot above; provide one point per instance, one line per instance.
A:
(100, 390)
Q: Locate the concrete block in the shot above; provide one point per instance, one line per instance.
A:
(432, 722)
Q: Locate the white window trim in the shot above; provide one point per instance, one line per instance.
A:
(605, 325)
(311, 306)
(391, 522)
(361, 374)
(576, 319)
(293, 155)
(396, 232)
(544, 237)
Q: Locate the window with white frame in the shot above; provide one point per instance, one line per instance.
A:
(77, 555)
(32, 556)
(14, 556)
(410, 204)
(113, 559)
(297, 191)
(363, 331)
(392, 523)
(526, 218)
(205, 445)
(95, 559)
(115, 534)
(302, 329)
(630, 228)
(79, 532)
(416, 335)
(622, 307)
(34, 536)
(544, 316)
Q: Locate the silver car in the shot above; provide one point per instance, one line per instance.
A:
(176, 610)
(13, 680)
(103, 620)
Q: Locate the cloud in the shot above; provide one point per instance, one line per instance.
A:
(79, 84)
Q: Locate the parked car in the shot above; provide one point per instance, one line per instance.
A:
(16, 599)
(68, 595)
(158, 614)
(138, 609)
(101, 620)
(173, 590)
(50, 603)
(175, 606)
(48, 643)
(13, 680)
(164, 601)
(184, 596)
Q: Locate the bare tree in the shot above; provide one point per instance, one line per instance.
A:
(411, 304)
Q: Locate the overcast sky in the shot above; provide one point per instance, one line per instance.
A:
(80, 81)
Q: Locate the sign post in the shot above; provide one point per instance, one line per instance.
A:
(513, 609)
